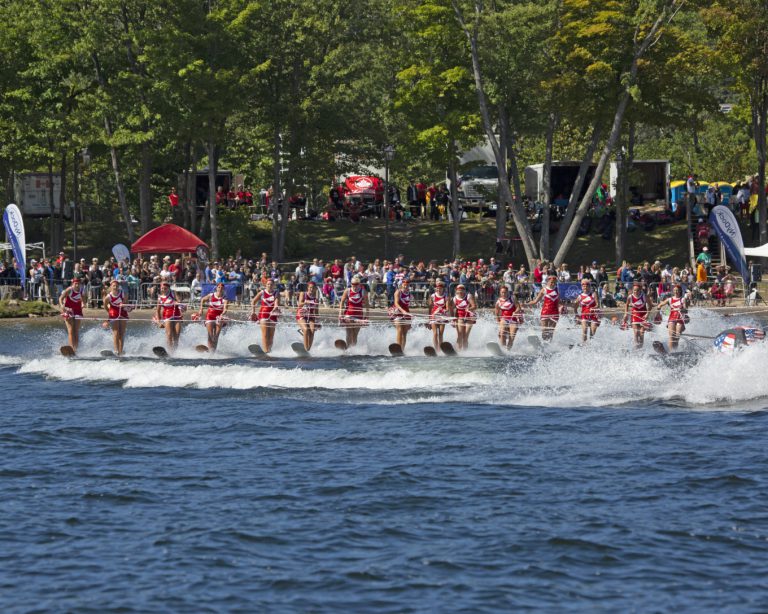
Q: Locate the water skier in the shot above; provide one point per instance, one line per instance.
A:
(71, 303)
(550, 309)
(215, 318)
(352, 306)
(306, 314)
(589, 314)
(464, 309)
(509, 315)
(114, 303)
(268, 312)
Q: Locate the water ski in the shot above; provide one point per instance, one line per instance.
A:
(340, 344)
(395, 349)
(299, 349)
(494, 348)
(201, 348)
(659, 348)
(67, 350)
(430, 351)
(535, 342)
(446, 347)
(108, 354)
(256, 350)
(160, 351)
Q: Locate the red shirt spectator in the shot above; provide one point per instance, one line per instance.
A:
(173, 198)
(336, 270)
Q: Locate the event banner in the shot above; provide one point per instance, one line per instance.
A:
(727, 229)
(14, 229)
(121, 253)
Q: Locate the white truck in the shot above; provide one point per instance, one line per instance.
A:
(33, 194)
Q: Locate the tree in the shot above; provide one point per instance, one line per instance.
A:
(742, 47)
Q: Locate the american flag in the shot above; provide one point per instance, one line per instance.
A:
(725, 342)
(753, 335)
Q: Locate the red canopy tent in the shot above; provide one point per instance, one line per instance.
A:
(168, 238)
(367, 188)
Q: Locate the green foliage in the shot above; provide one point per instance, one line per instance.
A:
(336, 80)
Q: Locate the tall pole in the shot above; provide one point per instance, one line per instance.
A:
(389, 155)
(386, 208)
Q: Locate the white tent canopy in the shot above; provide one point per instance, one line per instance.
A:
(40, 246)
(757, 252)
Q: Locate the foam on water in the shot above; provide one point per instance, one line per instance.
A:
(237, 377)
(604, 372)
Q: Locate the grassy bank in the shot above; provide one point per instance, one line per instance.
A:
(416, 240)
(433, 240)
(23, 309)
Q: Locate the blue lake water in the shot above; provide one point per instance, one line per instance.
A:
(582, 479)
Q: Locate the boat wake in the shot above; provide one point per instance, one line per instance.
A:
(604, 372)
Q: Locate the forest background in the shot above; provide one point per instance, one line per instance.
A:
(295, 93)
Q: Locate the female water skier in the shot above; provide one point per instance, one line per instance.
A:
(306, 314)
(464, 308)
(215, 318)
(509, 315)
(550, 310)
(117, 311)
(640, 305)
(678, 303)
(401, 312)
(169, 314)
(268, 312)
(351, 307)
(589, 314)
(439, 313)
(71, 303)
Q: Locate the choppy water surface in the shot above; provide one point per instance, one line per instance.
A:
(582, 479)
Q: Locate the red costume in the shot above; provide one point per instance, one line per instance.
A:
(589, 311)
(551, 308)
(678, 312)
(439, 308)
(639, 309)
(309, 310)
(171, 309)
(215, 307)
(405, 305)
(268, 311)
(355, 300)
(462, 308)
(116, 309)
(511, 312)
(73, 302)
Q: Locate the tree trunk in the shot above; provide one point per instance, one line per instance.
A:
(759, 117)
(115, 159)
(581, 177)
(192, 190)
(63, 206)
(669, 10)
(546, 186)
(453, 176)
(212, 207)
(275, 200)
(622, 204)
(502, 204)
(75, 201)
(518, 212)
(52, 209)
(185, 188)
(514, 172)
(145, 188)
